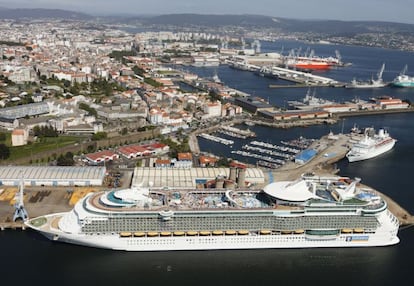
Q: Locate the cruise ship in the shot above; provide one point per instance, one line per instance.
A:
(371, 145)
(311, 211)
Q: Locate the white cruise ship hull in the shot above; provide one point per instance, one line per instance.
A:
(384, 236)
(371, 153)
(115, 242)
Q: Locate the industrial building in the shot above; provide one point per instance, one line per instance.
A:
(52, 176)
(305, 156)
(197, 177)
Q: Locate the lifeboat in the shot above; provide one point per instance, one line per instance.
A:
(243, 232)
(358, 230)
(125, 234)
(346, 230)
(139, 234)
(299, 231)
(165, 233)
(230, 232)
(217, 232)
(286, 232)
(265, 231)
(178, 233)
(192, 233)
(204, 233)
(152, 233)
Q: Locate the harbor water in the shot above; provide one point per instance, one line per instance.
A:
(26, 257)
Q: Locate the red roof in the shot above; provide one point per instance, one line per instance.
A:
(238, 165)
(103, 155)
(206, 160)
(184, 156)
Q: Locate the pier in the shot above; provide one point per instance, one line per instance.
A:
(236, 132)
(216, 139)
(303, 77)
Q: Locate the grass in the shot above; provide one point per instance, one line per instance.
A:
(46, 144)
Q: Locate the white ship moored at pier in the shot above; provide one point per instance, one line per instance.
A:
(309, 212)
(371, 145)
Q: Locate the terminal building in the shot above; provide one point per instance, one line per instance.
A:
(55, 176)
(191, 178)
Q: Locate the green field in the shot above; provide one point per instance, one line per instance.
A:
(45, 144)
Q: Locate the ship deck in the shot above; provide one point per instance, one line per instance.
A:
(222, 200)
(187, 200)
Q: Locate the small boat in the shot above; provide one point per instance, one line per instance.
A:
(265, 231)
(243, 232)
(139, 234)
(230, 232)
(152, 233)
(125, 234)
(165, 233)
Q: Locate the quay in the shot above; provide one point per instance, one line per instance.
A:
(12, 225)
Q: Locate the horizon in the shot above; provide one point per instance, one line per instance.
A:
(352, 10)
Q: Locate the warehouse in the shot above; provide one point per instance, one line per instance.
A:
(52, 176)
(305, 156)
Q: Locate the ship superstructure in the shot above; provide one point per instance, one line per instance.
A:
(309, 212)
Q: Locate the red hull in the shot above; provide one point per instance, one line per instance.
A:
(313, 66)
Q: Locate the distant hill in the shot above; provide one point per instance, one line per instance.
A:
(327, 27)
(6, 13)
(332, 27)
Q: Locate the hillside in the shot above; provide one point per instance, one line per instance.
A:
(330, 27)
(6, 13)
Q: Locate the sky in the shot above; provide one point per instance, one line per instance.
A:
(347, 10)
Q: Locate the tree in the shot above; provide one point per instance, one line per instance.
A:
(99, 136)
(3, 136)
(124, 131)
(66, 160)
(4, 152)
